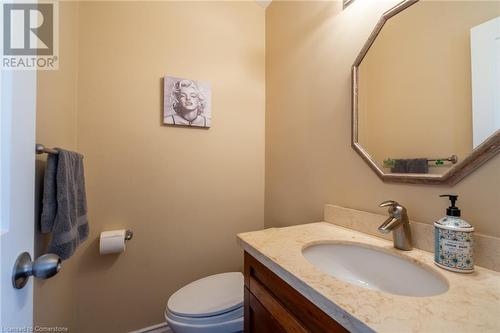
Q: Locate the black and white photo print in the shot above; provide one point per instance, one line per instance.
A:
(186, 102)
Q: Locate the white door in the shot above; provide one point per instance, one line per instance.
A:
(485, 65)
(17, 184)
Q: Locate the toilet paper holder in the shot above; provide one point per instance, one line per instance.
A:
(114, 241)
(129, 234)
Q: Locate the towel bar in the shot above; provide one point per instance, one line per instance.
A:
(389, 163)
(40, 149)
(453, 159)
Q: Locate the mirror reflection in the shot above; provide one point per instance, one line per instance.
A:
(428, 86)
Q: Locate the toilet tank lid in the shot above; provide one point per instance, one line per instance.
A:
(209, 296)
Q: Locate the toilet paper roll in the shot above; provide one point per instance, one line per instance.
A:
(112, 241)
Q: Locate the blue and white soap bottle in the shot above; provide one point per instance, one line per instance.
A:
(453, 240)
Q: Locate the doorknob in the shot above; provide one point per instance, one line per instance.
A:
(43, 267)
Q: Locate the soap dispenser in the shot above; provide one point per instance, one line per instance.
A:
(453, 240)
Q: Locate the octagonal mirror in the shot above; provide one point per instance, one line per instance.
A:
(426, 91)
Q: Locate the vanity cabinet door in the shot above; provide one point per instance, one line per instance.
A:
(275, 310)
(288, 309)
(257, 318)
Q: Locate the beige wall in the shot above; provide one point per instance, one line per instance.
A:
(310, 47)
(415, 95)
(185, 192)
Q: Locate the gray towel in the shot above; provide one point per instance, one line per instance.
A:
(64, 207)
(414, 165)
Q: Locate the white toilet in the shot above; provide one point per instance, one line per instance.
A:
(213, 304)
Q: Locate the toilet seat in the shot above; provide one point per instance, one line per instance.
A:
(210, 296)
(213, 304)
(224, 317)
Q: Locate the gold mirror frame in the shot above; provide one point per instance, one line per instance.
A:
(482, 153)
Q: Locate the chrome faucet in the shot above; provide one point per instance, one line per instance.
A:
(398, 223)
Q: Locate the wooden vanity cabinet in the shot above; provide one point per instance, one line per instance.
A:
(272, 305)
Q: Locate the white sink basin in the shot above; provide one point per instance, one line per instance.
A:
(377, 269)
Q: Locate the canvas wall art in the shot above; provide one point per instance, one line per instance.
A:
(187, 102)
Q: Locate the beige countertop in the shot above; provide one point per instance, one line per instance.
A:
(471, 305)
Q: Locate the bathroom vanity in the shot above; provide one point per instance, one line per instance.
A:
(288, 290)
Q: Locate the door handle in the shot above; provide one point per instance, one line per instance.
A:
(43, 267)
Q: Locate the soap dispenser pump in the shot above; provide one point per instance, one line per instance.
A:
(453, 240)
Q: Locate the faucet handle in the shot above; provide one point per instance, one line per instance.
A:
(395, 209)
(389, 203)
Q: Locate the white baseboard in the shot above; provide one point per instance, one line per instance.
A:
(159, 328)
